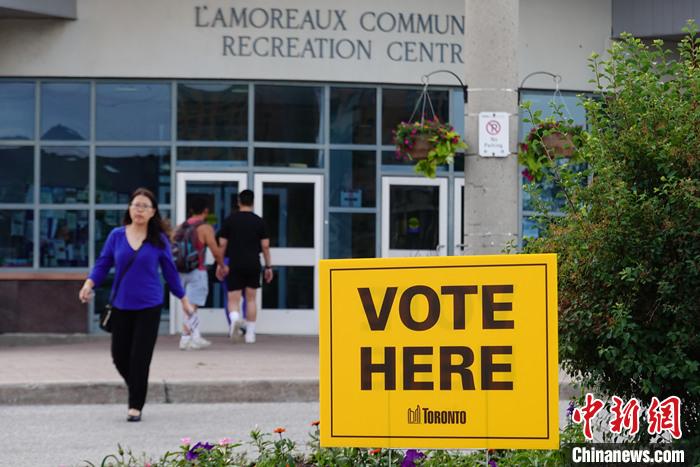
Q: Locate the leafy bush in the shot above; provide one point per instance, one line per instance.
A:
(629, 242)
(281, 451)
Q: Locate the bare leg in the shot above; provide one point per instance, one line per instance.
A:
(251, 308)
(234, 300)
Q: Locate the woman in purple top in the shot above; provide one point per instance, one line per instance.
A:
(139, 299)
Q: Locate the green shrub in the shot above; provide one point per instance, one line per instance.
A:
(629, 242)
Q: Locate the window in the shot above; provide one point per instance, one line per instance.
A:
(65, 111)
(572, 109)
(352, 235)
(64, 238)
(16, 110)
(120, 170)
(353, 175)
(353, 115)
(65, 175)
(289, 114)
(16, 238)
(212, 112)
(133, 112)
(399, 104)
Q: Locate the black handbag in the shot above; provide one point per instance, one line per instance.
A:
(106, 313)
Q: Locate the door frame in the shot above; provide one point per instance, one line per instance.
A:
(282, 320)
(441, 183)
(205, 314)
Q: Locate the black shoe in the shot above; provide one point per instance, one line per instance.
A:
(133, 418)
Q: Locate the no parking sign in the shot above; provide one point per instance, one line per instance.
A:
(493, 134)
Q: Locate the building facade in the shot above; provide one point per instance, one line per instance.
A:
(295, 100)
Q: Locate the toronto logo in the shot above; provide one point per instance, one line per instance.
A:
(424, 415)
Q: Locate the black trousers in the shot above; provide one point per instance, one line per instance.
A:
(134, 334)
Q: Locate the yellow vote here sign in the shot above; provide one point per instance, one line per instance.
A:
(440, 352)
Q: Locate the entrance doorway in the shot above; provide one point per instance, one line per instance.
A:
(414, 216)
(221, 191)
(292, 207)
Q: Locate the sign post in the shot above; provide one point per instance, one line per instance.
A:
(440, 352)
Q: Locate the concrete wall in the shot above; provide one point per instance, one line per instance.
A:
(559, 36)
(41, 306)
(182, 39)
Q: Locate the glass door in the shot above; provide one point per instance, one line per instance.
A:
(414, 216)
(292, 208)
(221, 191)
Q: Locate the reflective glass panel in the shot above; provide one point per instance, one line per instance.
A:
(399, 104)
(353, 179)
(16, 110)
(413, 217)
(120, 170)
(211, 157)
(222, 199)
(105, 221)
(292, 288)
(16, 238)
(288, 113)
(63, 238)
(289, 214)
(352, 235)
(353, 115)
(212, 112)
(391, 162)
(282, 157)
(133, 111)
(17, 174)
(65, 175)
(65, 111)
(459, 162)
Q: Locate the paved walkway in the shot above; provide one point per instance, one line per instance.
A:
(45, 369)
(50, 370)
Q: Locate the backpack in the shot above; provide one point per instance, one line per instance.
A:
(185, 254)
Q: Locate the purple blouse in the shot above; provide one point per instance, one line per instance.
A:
(141, 286)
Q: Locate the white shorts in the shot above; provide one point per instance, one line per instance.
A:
(196, 285)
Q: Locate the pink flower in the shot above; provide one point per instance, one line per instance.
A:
(186, 441)
(405, 141)
(414, 131)
(225, 441)
(528, 175)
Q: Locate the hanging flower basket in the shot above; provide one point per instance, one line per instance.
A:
(430, 142)
(559, 144)
(546, 142)
(421, 148)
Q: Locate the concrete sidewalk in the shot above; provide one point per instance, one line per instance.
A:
(77, 369)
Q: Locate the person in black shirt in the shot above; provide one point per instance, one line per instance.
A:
(243, 236)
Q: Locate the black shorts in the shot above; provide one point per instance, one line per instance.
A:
(242, 276)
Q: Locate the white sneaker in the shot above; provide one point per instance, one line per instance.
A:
(185, 342)
(199, 343)
(250, 338)
(235, 332)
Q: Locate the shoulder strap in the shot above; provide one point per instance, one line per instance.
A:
(126, 268)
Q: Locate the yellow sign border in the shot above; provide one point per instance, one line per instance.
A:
(328, 438)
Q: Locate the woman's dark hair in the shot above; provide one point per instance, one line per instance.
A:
(156, 224)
